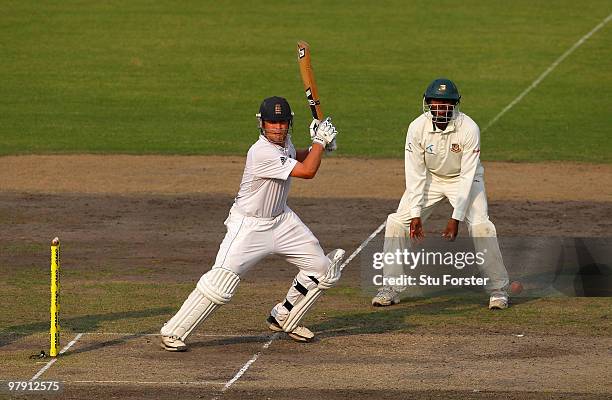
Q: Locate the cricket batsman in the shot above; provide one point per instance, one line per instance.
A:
(260, 223)
(442, 161)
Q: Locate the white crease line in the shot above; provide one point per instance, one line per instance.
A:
(157, 334)
(364, 244)
(139, 334)
(50, 363)
(548, 71)
(178, 383)
(248, 364)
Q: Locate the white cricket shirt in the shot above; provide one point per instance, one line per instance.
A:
(266, 181)
(451, 156)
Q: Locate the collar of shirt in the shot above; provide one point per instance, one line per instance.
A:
(452, 125)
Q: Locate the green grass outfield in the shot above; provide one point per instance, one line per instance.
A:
(187, 77)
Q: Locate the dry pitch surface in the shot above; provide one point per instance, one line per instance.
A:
(137, 232)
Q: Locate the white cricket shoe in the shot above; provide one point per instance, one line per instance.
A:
(299, 334)
(386, 296)
(498, 300)
(173, 343)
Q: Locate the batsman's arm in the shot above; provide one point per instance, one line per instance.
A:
(301, 155)
(308, 168)
(326, 132)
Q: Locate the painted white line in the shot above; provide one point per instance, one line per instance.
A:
(253, 334)
(248, 364)
(43, 369)
(362, 245)
(157, 334)
(50, 363)
(548, 71)
(178, 383)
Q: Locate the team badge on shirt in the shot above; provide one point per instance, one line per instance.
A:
(455, 148)
(283, 160)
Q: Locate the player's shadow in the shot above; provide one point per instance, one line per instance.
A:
(85, 323)
(198, 342)
(194, 341)
(393, 319)
(113, 342)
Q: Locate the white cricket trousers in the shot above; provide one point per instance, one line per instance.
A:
(481, 229)
(250, 239)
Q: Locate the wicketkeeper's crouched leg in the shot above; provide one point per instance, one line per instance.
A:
(214, 289)
(397, 233)
(484, 236)
(302, 295)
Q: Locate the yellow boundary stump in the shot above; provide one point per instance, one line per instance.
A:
(55, 293)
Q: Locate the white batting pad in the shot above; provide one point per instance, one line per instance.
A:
(328, 280)
(215, 288)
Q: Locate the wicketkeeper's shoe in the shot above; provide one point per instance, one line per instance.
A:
(386, 296)
(173, 343)
(498, 300)
(299, 334)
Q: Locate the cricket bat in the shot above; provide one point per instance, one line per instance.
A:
(310, 86)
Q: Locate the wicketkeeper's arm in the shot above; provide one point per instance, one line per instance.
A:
(415, 171)
(469, 164)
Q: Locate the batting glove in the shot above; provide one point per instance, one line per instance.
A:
(314, 125)
(325, 133)
(331, 147)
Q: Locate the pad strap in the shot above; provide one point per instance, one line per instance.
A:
(328, 280)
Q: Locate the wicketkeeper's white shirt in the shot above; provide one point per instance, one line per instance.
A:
(266, 181)
(451, 157)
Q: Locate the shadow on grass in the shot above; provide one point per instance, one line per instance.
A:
(112, 342)
(85, 323)
(393, 319)
(232, 340)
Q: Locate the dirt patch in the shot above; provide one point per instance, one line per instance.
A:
(338, 177)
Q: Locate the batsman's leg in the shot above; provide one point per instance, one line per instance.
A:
(318, 272)
(245, 243)
(214, 289)
(302, 296)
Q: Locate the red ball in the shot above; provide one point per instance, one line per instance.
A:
(516, 287)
